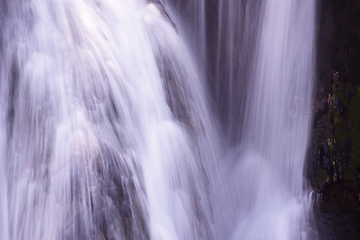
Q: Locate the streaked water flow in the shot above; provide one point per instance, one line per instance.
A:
(106, 131)
(265, 195)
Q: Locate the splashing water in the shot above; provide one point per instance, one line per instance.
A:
(101, 120)
(105, 130)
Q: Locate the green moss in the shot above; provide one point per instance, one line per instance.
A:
(339, 129)
(342, 185)
(340, 122)
(322, 176)
(351, 113)
(354, 133)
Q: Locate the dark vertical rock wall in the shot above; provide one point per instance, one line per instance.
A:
(333, 165)
(338, 40)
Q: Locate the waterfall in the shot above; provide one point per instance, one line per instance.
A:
(234, 45)
(108, 128)
(104, 124)
(264, 72)
(278, 117)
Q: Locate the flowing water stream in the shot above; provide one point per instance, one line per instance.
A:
(267, 165)
(107, 130)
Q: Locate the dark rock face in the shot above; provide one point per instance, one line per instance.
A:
(332, 166)
(160, 6)
(336, 223)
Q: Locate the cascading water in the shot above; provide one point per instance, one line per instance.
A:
(234, 44)
(263, 193)
(102, 125)
(105, 131)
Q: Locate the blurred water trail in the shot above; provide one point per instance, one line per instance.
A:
(105, 124)
(266, 49)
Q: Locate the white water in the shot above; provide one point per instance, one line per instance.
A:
(265, 194)
(105, 131)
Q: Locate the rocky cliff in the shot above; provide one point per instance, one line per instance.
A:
(333, 164)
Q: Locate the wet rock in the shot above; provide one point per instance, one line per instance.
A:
(341, 173)
(320, 157)
(339, 77)
(357, 178)
(357, 166)
(347, 158)
(351, 157)
(332, 129)
(322, 187)
(327, 163)
(335, 175)
(349, 94)
(339, 106)
(161, 7)
(177, 97)
(335, 146)
(326, 148)
(349, 125)
(347, 144)
(323, 105)
(125, 210)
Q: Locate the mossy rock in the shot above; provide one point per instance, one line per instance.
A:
(341, 146)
